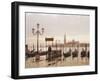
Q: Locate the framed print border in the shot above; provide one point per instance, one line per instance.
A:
(15, 10)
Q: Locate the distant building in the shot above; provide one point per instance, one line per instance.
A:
(72, 43)
(65, 39)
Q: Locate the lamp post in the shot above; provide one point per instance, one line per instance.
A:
(38, 32)
(56, 44)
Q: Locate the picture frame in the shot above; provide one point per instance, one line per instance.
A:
(22, 16)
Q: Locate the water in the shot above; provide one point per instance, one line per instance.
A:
(31, 63)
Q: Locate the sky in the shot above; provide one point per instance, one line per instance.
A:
(76, 27)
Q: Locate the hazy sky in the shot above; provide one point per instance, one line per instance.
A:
(56, 25)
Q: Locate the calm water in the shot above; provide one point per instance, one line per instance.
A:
(30, 63)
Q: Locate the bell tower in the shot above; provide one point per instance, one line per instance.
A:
(65, 38)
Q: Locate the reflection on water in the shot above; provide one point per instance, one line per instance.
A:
(58, 62)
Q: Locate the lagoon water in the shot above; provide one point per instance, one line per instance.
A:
(31, 63)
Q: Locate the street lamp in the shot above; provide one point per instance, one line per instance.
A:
(37, 32)
(56, 44)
